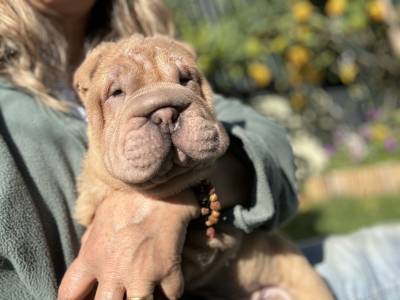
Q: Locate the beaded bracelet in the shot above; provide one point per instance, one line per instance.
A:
(210, 206)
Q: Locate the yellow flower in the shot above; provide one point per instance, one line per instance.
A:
(380, 132)
(298, 101)
(302, 11)
(298, 56)
(348, 72)
(335, 8)
(376, 10)
(260, 73)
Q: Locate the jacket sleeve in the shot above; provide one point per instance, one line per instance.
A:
(265, 146)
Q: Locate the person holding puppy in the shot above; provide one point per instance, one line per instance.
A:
(42, 143)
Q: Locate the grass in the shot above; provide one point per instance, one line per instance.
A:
(342, 215)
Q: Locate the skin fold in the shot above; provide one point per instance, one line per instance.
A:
(152, 133)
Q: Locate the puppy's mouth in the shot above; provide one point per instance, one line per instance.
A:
(175, 163)
(172, 137)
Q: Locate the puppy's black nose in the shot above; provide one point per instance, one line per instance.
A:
(164, 116)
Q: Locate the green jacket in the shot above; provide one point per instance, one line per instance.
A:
(40, 158)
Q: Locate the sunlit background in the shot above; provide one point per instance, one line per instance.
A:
(329, 71)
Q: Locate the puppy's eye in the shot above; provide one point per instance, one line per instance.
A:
(117, 93)
(185, 78)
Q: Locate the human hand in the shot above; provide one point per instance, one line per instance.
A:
(132, 245)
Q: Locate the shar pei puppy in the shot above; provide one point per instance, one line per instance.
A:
(152, 129)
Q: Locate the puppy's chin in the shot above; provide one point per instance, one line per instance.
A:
(175, 182)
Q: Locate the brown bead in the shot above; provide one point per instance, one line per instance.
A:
(205, 211)
(215, 214)
(213, 197)
(215, 205)
(213, 219)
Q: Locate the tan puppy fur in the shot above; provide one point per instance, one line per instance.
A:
(152, 129)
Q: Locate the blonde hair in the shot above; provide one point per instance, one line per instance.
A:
(33, 52)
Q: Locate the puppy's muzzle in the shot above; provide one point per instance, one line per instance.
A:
(162, 128)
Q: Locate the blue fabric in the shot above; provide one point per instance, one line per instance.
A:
(364, 265)
(312, 250)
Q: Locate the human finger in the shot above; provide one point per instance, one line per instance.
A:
(172, 285)
(109, 291)
(76, 283)
(140, 290)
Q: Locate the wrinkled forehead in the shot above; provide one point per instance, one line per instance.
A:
(145, 55)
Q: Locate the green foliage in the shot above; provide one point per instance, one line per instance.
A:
(302, 47)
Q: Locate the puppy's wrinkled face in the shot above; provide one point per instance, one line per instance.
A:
(149, 111)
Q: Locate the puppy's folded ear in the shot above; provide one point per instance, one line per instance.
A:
(85, 72)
